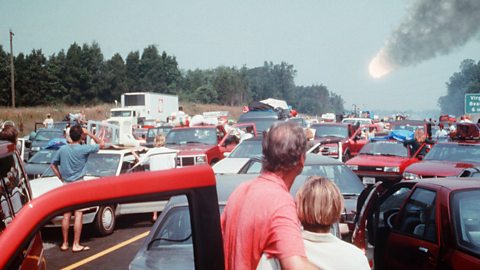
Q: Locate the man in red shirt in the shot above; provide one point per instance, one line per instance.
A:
(260, 215)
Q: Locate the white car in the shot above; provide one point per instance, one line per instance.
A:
(354, 121)
(239, 156)
(107, 162)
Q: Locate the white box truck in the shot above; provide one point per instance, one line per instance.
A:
(150, 106)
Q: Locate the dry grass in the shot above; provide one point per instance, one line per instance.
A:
(25, 118)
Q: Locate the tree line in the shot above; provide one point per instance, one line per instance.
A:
(82, 76)
(466, 81)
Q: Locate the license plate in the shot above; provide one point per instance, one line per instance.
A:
(369, 180)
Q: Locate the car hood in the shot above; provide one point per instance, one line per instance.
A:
(43, 185)
(378, 161)
(229, 165)
(39, 143)
(168, 257)
(191, 148)
(328, 139)
(438, 168)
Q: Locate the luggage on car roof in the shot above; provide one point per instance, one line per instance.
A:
(259, 106)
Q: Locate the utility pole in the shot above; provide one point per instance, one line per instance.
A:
(12, 69)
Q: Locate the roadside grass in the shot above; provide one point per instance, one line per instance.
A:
(26, 117)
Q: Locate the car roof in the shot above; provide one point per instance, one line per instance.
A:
(315, 159)
(226, 184)
(331, 124)
(451, 183)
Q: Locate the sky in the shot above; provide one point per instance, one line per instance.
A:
(327, 42)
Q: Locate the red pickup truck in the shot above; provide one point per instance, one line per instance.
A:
(203, 144)
(338, 140)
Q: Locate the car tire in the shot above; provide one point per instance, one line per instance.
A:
(104, 223)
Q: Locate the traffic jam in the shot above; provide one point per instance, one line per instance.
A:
(411, 196)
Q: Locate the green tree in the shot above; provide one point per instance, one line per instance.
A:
(465, 81)
(5, 91)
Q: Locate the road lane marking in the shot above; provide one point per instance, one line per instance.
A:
(106, 251)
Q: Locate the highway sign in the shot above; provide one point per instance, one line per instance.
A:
(472, 103)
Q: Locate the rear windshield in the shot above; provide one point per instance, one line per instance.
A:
(455, 152)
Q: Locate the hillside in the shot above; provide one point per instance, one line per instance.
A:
(25, 118)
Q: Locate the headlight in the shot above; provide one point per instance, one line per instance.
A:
(353, 167)
(410, 176)
(36, 148)
(200, 159)
(391, 169)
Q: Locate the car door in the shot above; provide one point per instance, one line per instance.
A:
(413, 243)
(357, 141)
(376, 210)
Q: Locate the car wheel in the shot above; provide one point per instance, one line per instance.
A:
(346, 156)
(105, 220)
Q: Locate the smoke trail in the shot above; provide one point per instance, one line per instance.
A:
(432, 27)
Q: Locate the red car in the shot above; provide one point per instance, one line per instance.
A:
(429, 224)
(383, 160)
(15, 192)
(338, 140)
(449, 158)
(203, 144)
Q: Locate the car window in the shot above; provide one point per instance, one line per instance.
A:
(254, 167)
(418, 215)
(247, 149)
(13, 188)
(99, 165)
(384, 148)
(330, 130)
(42, 157)
(390, 205)
(341, 175)
(454, 152)
(465, 206)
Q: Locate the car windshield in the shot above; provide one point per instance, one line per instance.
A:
(42, 157)
(175, 228)
(330, 130)
(260, 124)
(247, 149)
(465, 207)
(152, 132)
(384, 148)
(192, 135)
(99, 165)
(46, 135)
(455, 152)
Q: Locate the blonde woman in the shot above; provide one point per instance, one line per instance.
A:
(319, 206)
(160, 158)
(418, 141)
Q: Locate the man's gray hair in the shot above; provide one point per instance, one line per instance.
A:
(283, 146)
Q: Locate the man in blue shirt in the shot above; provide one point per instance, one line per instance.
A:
(72, 159)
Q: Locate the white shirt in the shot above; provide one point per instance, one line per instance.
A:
(326, 252)
(48, 122)
(160, 158)
(441, 133)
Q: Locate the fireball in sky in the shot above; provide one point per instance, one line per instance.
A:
(380, 65)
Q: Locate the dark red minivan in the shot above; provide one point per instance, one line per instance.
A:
(424, 224)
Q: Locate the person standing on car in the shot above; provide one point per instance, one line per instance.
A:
(260, 215)
(319, 206)
(48, 122)
(160, 158)
(69, 165)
